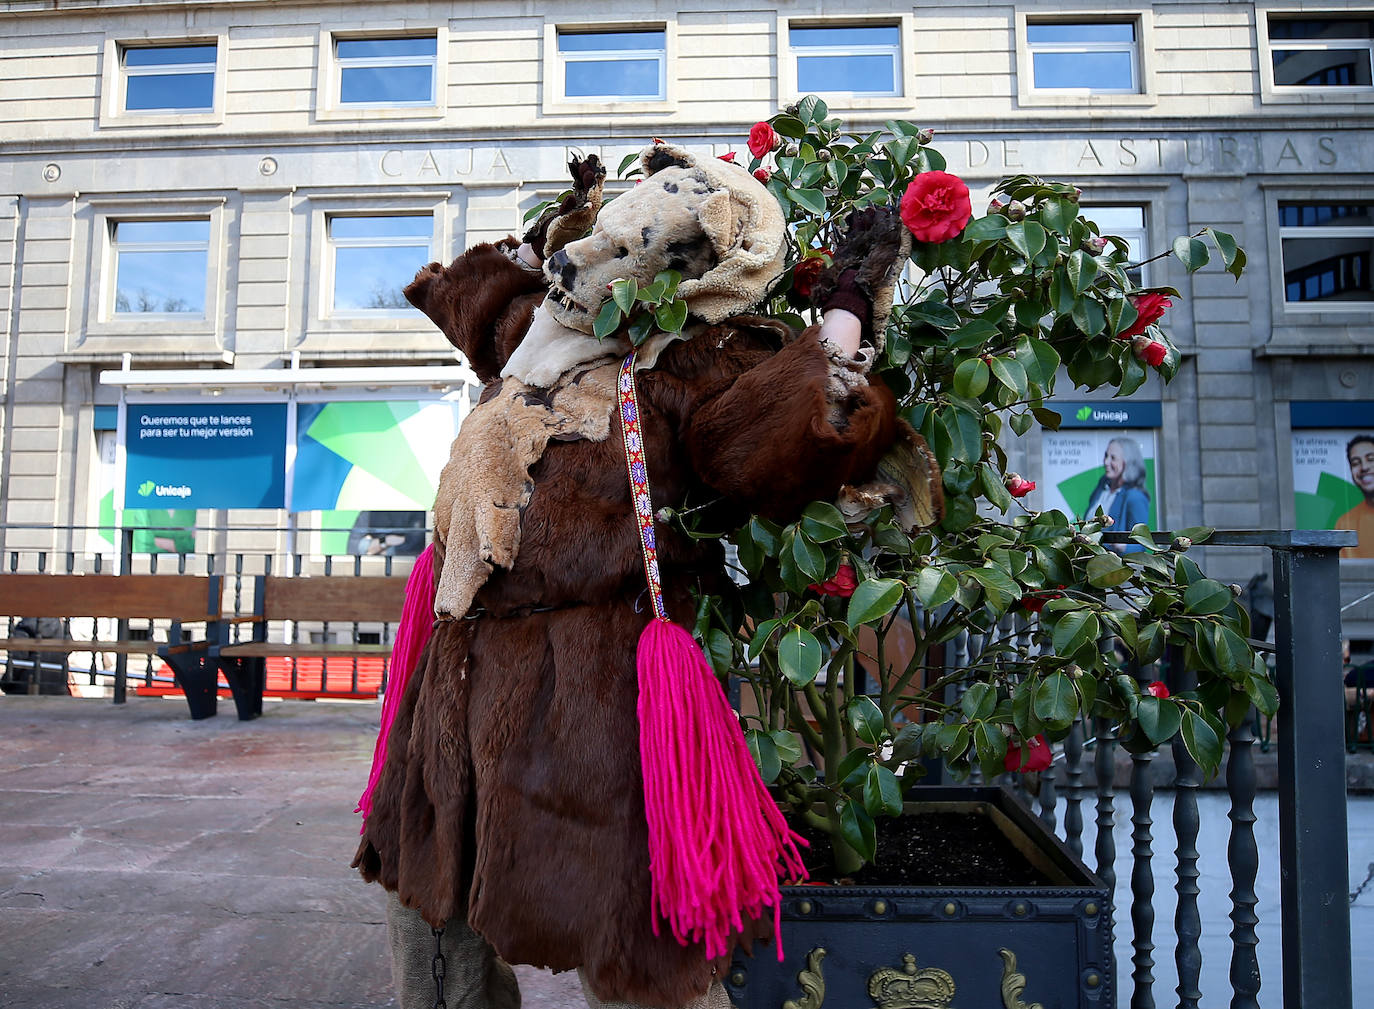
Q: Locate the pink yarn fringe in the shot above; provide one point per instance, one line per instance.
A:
(717, 841)
(417, 624)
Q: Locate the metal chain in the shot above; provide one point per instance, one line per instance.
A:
(438, 968)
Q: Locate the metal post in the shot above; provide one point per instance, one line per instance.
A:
(1313, 853)
(126, 565)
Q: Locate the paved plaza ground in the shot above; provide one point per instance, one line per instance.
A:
(152, 862)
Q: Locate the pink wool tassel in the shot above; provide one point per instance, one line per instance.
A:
(717, 841)
(417, 624)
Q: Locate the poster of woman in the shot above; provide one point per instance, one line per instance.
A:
(1112, 471)
(1333, 484)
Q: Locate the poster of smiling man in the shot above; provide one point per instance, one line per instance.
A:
(1333, 471)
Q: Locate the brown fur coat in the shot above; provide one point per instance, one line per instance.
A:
(512, 785)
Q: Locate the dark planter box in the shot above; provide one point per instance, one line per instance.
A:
(1057, 938)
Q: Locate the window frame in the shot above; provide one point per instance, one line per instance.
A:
(371, 335)
(1272, 93)
(1317, 232)
(114, 80)
(1101, 201)
(1030, 96)
(556, 99)
(328, 103)
(333, 244)
(904, 75)
(109, 310)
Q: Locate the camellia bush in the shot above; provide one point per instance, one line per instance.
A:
(997, 309)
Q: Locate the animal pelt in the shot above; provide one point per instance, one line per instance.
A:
(484, 488)
(512, 784)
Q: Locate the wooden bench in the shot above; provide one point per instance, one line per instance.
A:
(175, 598)
(324, 600)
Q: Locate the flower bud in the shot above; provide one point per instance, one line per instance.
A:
(792, 109)
(665, 514)
(1075, 196)
(1181, 543)
(995, 205)
(823, 155)
(1095, 246)
(1235, 588)
(791, 150)
(1016, 210)
(925, 136)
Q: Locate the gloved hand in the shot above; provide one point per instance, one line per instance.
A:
(573, 216)
(864, 268)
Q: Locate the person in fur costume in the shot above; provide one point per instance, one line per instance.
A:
(510, 807)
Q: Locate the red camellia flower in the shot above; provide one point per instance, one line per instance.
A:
(1037, 757)
(1017, 487)
(763, 175)
(1034, 602)
(936, 206)
(805, 273)
(1152, 352)
(843, 584)
(730, 157)
(762, 139)
(1149, 308)
(1158, 689)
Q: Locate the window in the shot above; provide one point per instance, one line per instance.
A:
(160, 267)
(1099, 57)
(620, 65)
(1326, 52)
(1128, 223)
(1327, 253)
(847, 59)
(373, 257)
(169, 78)
(386, 71)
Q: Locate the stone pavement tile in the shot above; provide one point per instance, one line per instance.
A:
(542, 989)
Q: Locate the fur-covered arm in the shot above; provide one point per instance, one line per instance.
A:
(775, 439)
(482, 302)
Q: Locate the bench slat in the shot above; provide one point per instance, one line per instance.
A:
(70, 645)
(171, 597)
(307, 649)
(333, 599)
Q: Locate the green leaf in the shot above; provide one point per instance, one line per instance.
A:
(971, 377)
(1001, 590)
(1232, 654)
(628, 160)
(1027, 238)
(823, 522)
(1056, 703)
(986, 229)
(1106, 571)
(935, 587)
(720, 650)
(838, 172)
(811, 110)
(1082, 271)
(853, 766)
(873, 600)
(977, 333)
(1059, 215)
(787, 744)
(607, 320)
(906, 745)
(994, 488)
(765, 754)
(640, 328)
(667, 281)
(857, 829)
(809, 559)
(789, 126)
(1202, 741)
(866, 719)
(1232, 255)
(762, 633)
(1011, 374)
(1089, 317)
(1159, 718)
(991, 745)
(979, 701)
(1191, 253)
(1040, 360)
(882, 793)
(1074, 630)
(672, 316)
(624, 292)
(1263, 694)
(1206, 596)
(1198, 534)
(799, 656)
(809, 199)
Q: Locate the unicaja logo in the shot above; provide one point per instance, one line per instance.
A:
(145, 489)
(150, 489)
(1084, 412)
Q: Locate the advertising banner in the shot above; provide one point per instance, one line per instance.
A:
(196, 455)
(1333, 470)
(1086, 469)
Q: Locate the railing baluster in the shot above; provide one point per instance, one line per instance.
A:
(1104, 765)
(1142, 883)
(1073, 802)
(1187, 920)
(1243, 854)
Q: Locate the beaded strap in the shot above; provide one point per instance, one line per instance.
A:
(639, 482)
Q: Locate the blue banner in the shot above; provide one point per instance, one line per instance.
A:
(198, 455)
(1108, 413)
(1331, 413)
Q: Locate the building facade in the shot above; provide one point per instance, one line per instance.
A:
(207, 211)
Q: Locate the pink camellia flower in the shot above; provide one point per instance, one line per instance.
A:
(936, 206)
(1037, 756)
(1152, 352)
(843, 584)
(1018, 487)
(1158, 689)
(729, 156)
(1096, 246)
(762, 139)
(1149, 308)
(763, 175)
